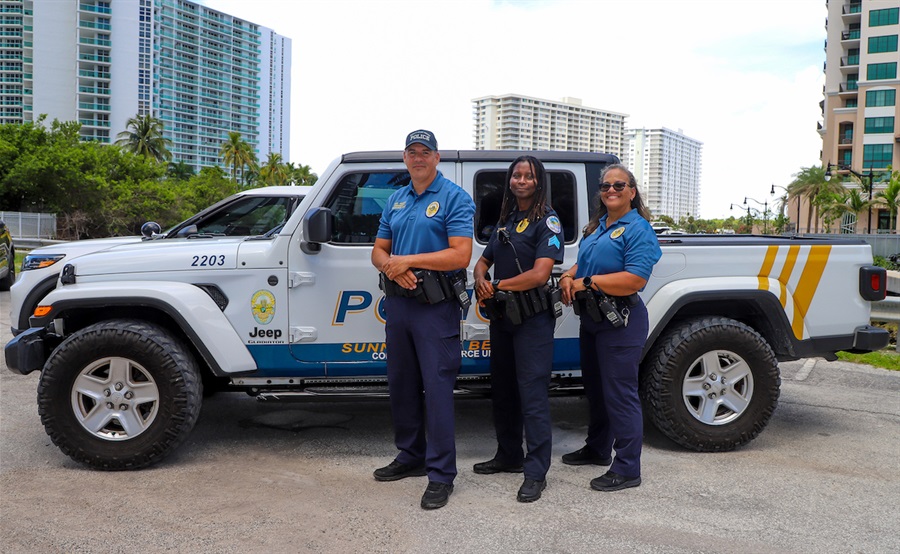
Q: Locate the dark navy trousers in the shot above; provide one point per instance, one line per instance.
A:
(521, 363)
(423, 360)
(609, 366)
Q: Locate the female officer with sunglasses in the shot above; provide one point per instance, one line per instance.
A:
(525, 244)
(616, 256)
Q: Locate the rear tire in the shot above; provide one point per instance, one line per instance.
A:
(711, 384)
(120, 394)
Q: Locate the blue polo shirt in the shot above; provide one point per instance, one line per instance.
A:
(629, 245)
(420, 223)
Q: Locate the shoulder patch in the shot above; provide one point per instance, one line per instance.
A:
(553, 224)
(617, 233)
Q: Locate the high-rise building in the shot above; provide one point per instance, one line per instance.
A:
(860, 110)
(202, 72)
(667, 166)
(16, 65)
(516, 122)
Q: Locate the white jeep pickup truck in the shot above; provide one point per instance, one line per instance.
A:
(132, 334)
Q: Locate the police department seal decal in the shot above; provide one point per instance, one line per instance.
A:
(522, 225)
(617, 233)
(432, 209)
(262, 304)
(553, 224)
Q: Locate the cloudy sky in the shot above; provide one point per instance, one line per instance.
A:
(744, 77)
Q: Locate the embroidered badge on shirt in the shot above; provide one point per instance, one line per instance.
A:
(617, 233)
(432, 209)
(398, 205)
(554, 241)
(553, 224)
(522, 225)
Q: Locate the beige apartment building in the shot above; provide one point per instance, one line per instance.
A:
(860, 111)
(516, 122)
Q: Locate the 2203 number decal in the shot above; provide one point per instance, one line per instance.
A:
(208, 261)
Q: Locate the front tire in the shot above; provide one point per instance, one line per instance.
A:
(7, 282)
(120, 394)
(711, 384)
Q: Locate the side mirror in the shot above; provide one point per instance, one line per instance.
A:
(149, 229)
(317, 228)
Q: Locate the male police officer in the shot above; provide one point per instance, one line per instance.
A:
(426, 225)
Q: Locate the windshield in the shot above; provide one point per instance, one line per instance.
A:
(245, 216)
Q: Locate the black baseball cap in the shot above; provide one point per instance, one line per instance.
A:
(422, 137)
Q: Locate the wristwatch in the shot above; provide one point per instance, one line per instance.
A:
(496, 284)
(588, 282)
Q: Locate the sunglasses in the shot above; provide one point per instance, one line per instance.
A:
(619, 186)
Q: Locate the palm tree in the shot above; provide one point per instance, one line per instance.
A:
(890, 198)
(303, 175)
(273, 172)
(238, 154)
(180, 171)
(143, 135)
(810, 182)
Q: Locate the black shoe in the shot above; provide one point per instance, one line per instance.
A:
(531, 490)
(436, 495)
(496, 466)
(610, 481)
(585, 456)
(395, 470)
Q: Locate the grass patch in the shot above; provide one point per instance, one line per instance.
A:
(886, 359)
(20, 257)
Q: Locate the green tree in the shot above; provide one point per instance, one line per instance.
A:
(810, 182)
(143, 135)
(179, 171)
(890, 197)
(237, 154)
(273, 172)
(303, 175)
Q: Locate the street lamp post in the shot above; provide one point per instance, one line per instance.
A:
(749, 217)
(870, 176)
(772, 193)
(765, 205)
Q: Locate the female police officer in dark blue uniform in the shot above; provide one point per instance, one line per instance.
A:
(526, 243)
(426, 225)
(616, 256)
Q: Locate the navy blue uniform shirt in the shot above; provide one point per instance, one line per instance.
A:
(532, 240)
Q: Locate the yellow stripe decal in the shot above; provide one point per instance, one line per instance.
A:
(806, 287)
(766, 268)
(809, 281)
(789, 263)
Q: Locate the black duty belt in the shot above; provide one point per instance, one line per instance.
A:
(598, 306)
(432, 287)
(517, 306)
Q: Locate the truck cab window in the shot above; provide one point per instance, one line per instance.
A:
(489, 186)
(357, 204)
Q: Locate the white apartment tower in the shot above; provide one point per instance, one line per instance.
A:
(202, 72)
(667, 167)
(516, 122)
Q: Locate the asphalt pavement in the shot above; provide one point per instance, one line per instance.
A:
(297, 477)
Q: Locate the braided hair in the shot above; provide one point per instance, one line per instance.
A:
(540, 205)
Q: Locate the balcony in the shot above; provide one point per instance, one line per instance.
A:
(93, 9)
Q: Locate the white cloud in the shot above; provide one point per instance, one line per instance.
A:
(743, 77)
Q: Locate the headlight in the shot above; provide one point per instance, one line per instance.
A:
(38, 261)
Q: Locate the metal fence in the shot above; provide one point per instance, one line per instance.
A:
(26, 225)
(882, 244)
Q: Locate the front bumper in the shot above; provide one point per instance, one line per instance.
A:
(25, 352)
